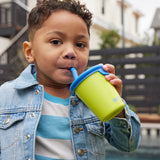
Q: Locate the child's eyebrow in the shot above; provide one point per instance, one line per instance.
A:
(80, 36)
(55, 32)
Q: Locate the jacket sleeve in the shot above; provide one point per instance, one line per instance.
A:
(124, 133)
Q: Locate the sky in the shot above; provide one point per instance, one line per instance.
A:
(148, 8)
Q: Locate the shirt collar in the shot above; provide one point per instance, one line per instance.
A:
(26, 78)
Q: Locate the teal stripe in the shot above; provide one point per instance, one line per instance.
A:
(37, 157)
(58, 100)
(52, 127)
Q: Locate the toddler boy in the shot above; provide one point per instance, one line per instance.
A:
(39, 119)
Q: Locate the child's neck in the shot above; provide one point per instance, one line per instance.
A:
(55, 89)
(58, 92)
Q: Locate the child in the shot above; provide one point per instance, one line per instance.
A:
(39, 119)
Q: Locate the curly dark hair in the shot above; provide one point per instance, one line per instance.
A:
(44, 9)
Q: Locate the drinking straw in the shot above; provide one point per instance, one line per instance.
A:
(74, 72)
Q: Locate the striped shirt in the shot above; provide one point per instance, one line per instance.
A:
(53, 136)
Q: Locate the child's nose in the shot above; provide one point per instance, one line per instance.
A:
(70, 53)
(70, 56)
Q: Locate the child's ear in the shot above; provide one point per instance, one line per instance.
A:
(28, 52)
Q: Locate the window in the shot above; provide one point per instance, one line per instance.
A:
(136, 25)
(5, 14)
(103, 6)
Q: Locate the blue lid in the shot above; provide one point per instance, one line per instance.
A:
(86, 74)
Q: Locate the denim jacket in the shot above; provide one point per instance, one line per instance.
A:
(20, 110)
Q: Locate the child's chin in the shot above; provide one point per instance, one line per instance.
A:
(68, 81)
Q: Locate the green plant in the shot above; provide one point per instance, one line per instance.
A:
(110, 39)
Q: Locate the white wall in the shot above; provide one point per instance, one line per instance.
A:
(112, 20)
(4, 42)
(5, 1)
(31, 3)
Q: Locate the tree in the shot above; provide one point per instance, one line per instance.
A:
(110, 39)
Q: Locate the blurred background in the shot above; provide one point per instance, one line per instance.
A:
(125, 33)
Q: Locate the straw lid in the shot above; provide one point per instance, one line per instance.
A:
(87, 73)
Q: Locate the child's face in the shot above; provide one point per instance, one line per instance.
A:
(61, 43)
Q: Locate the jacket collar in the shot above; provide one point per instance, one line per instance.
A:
(26, 78)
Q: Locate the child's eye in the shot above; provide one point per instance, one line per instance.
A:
(56, 42)
(80, 45)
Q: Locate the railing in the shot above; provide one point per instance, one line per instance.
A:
(12, 60)
(148, 149)
(139, 68)
(150, 129)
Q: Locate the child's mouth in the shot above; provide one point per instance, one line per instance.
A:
(67, 69)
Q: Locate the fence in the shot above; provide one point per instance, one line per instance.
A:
(139, 68)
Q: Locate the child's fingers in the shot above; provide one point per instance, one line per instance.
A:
(111, 76)
(109, 68)
(115, 81)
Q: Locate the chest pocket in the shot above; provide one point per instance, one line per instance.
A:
(10, 129)
(96, 138)
(7, 120)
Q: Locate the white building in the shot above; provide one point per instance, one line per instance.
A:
(106, 16)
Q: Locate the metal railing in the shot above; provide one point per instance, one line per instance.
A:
(12, 60)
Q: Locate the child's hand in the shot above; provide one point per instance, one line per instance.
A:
(115, 81)
(112, 78)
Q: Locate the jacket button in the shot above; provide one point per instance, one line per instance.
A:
(77, 129)
(81, 152)
(73, 102)
(28, 136)
(7, 120)
(32, 115)
(122, 123)
(37, 92)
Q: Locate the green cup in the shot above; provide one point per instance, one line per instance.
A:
(97, 93)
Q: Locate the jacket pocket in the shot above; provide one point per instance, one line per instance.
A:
(7, 120)
(11, 130)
